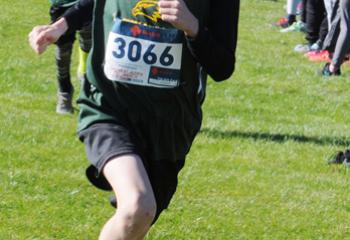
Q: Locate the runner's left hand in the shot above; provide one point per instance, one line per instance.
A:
(177, 13)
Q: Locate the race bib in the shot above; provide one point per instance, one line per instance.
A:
(143, 55)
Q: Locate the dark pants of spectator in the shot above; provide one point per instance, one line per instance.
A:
(314, 14)
(342, 46)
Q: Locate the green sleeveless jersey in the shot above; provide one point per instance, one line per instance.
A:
(132, 44)
(63, 3)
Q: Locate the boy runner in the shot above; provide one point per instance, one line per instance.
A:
(140, 104)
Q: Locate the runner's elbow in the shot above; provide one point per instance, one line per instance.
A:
(225, 72)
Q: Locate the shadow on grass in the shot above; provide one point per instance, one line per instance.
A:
(275, 137)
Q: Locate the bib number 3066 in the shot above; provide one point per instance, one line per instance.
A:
(143, 55)
(134, 51)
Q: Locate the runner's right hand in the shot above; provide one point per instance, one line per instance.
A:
(42, 36)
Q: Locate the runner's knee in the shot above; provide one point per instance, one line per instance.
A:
(139, 210)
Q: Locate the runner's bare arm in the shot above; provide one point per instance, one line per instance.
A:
(42, 36)
(177, 13)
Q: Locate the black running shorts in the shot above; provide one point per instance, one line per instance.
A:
(104, 141)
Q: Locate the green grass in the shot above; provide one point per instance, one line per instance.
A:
(256, 171)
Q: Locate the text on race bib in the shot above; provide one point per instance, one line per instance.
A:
(143, 55)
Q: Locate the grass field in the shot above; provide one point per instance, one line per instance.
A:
(256, 171)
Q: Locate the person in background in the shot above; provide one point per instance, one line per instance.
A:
(316, 26)
(293, 8)
(342, 45)
(64, 46)
(294, 25)
(322, 54)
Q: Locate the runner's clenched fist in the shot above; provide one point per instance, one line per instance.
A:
(42, 36)
(177, 13)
